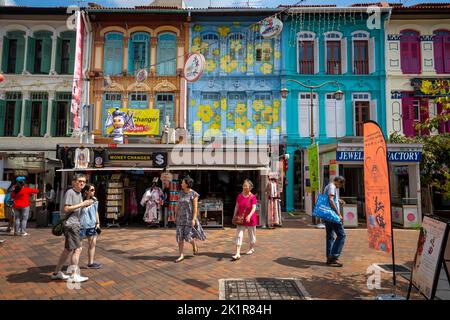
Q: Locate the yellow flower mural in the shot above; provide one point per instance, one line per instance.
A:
(223, 31)
(197, 28)
(193, 102)
(218, 118)
(258, 105)
(215, 126)
(196, 41)
(205, 113)
(277, 55)
(200, 47)
(243, 68)
(276, 103)
(211, 65)
(267, 115)
(236, 45)
(236, 24)
(228, 65)
(260, 129)
(275, 115)
(250, 59)
(242, 123)
(197, 125)
(216, 104)
(266, 68)
(241, 108)
(230, 116)
(216, 52)
(223, 104)
(257, 117)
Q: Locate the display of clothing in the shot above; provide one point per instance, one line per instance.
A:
(82, 158)
(174, 189)
(152, 200)
(274, 203)
(99, 157)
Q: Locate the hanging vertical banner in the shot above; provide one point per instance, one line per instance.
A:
(78, 72)
(313, 163)
(376, 187)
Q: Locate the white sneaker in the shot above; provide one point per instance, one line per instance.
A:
(77, 278)
(25, 234)
(60, 276)
(251, 251)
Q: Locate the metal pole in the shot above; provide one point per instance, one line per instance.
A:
(313, 195)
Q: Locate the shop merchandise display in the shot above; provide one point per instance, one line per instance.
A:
(174, 189)
(114, 196)
(211, 212)
(152, 200)
(82, 158)
(274, 203)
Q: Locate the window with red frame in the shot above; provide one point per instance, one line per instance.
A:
(441, 42)
(410, 51)
(414, 111)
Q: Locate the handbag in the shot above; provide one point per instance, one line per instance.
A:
(238, 220)
(323, 210)
(58, 228)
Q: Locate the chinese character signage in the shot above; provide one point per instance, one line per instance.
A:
(313, 163)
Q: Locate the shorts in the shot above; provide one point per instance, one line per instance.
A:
(72, 235)
(89, 232)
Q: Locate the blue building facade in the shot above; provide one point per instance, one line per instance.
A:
(330, 44)
(239, 93)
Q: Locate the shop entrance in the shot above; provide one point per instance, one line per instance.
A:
(354, 186)
(362, 114)
(299, 191)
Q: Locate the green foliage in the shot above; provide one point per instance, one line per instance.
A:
(440, 91)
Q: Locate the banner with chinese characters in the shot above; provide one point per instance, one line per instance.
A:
(146, 122)
(78, 71)
(313, 163)
(376, 187)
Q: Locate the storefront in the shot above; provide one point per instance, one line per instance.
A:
(123, 173)
(346, 159)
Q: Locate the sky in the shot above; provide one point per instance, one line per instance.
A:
(201, 3)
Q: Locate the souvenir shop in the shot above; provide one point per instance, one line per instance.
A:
(347, 159)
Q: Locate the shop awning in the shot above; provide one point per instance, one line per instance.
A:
(217, 168)
(111, 169)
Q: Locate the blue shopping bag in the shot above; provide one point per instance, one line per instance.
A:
(323, 210)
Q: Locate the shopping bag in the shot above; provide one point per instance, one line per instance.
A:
(323, 210)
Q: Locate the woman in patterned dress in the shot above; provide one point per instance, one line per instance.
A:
(188, 225)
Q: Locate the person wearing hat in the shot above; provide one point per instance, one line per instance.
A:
(21, 197)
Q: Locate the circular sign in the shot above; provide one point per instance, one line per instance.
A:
(194, 66)
(270, 27)
(141, 75)
(411, 217)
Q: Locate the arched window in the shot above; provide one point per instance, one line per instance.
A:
(113, 53)
(335, 52)
(237, 48)
(13, 52)
(65, 52)
(167, 54)
(361, 51)
(306, 51)
(441, 42)
(138, 52)
(39, 55)
(211, 51)
(410, 51)
(263, 54)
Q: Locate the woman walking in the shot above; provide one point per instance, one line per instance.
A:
(21, 196)
(90, 224)
(245, 208)
(188, 225)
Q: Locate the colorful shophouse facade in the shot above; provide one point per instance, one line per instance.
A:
(321, 44)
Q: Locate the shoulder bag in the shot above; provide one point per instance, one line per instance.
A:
(238, 220)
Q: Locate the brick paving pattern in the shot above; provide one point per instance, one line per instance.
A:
(138, 264)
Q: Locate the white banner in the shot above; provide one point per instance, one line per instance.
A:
(78, 72)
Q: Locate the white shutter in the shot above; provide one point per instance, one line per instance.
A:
(344, 55)
(340, 112)
(316, 116)
(325, 61)
(303, 117)
(316, 56)
(330, 117)
(371, 48)
(373, 110)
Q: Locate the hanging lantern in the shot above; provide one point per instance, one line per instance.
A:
(270, 28)
(2, 78)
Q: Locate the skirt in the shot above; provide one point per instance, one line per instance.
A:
(187, 233)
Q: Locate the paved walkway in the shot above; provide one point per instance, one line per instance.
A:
(138, 264)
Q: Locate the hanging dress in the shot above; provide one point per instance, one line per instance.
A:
(152, 202)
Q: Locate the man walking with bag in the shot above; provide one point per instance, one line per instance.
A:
(334, 246)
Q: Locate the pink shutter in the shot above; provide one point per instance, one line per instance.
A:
(424, 114)
(408, 116)
(446, 54)
(438, 54)
(442, 125)
(415, 56)
(405, 55)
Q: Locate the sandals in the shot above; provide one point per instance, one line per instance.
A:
(251, 251)
(195, 249)
(235, 258)
(179, 259)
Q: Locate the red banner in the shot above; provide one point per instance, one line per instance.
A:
(78, 72)
(376, 186)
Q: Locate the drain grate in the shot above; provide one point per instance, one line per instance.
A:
(262, 289)
(398, 268)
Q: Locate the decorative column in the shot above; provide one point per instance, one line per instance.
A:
(25, 97)
(154, 44)
(1, 54)
(53, 60)
(176, 117)
(51, 98)
(125, 54)
(25, 55)
(98, 112)
(322, 116)
(98, 54)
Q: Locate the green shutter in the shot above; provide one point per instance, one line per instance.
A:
(2, 117)
(31, 54)
(46, 55)
(72, 55)
(44, 110)
(27, 125)
(54, 118)
(20, 55)
(58, 56)
(17, 117)
(5, 54)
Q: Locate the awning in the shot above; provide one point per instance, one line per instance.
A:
(217, 168)
(111, 169)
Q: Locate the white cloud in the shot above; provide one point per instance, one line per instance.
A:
(10, 3)
(189, 3)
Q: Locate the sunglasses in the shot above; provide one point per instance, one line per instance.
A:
(92, 190)
(81, 181)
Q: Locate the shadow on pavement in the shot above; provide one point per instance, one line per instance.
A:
(299, 263)
(196, 283)
(34, 274)
(159, 258)
(219, 255)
